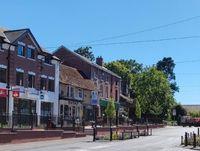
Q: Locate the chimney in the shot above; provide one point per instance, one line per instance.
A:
(99, 61)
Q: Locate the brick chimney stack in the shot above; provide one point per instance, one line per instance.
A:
(99, 61)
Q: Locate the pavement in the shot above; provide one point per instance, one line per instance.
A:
(164, 139)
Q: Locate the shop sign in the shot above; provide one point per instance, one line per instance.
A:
(3, 92)
(94, 98)
(15, 94)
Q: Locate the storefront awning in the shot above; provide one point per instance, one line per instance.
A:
(104, 103)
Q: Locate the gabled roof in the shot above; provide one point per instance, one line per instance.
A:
(14, 35)
(3, 35)
(88, 61)
(71, 76)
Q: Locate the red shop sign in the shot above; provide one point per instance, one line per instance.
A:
(3, 92)
(16, 94)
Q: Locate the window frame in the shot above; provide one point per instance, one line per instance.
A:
(20, 83)
(1, 77)
(51, 89)
(31, 52)
(32, 81)
(23, 50)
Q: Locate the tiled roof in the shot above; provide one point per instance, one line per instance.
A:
(13, 35)
(90, 62)
(3, 35)
(192, 108)
(71, 76)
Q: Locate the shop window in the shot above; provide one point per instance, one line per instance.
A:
(21, 50)
(30, 53)
(51, 85)
(46, 108)
(66, 110)
(61, 109)
(20, 78)
(3, 75)
(31, 81)
(43, 83)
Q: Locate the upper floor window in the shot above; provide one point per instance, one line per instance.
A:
(51, 85)
(30, 53)
(43, 83)
(68, 91)
(71, 92)
(19, 78)
(116, 83)
(3, 75)
(47, 60)
(31, 81)
(80, 93)
(21, 50)
(107, 91)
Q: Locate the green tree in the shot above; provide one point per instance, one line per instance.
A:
(153, 92)
(137, 109)
(110, 109)
(110, 113)
(86, 52)
(167, 65)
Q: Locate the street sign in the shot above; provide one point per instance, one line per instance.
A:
(174, 112)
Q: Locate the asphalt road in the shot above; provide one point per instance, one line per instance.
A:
(166, 139)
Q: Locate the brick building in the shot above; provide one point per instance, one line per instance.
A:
(29, 76)
(75, 94)
(107, 84)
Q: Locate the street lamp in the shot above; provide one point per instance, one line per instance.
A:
(9, 47)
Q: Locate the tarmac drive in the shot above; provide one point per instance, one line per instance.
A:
(164, 139)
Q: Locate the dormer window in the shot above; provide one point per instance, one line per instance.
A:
(30, 53)
(21, 50)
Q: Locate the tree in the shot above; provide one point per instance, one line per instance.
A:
(110, 109)
(180, 111)
(137, 109)
(153, 92)
(85, 51)
(111, 113)
(167, 65)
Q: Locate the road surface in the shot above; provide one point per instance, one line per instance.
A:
(165, 139)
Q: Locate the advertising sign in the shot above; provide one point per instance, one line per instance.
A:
(3, 92)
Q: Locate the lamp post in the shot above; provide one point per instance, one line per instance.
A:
(9, 47)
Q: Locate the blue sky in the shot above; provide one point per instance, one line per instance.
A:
(67, 22)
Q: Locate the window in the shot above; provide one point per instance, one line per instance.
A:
(107, 92)
(68, 89)
(101, 90)
(72, 92)
(3, 75)
(30, 53)
(21, 50)
(19, 78)
(31, 81)
(43, 83)
(51, 85)
(80, 93)
(47, 60)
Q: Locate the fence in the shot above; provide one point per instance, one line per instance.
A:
(191, 139)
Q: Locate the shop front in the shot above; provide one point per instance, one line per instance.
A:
(3, 106)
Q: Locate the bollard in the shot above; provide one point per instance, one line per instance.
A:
(131, 135)
(194, 140)
(186, 138)
(182, 140)
(111, 134)
(94, 134)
